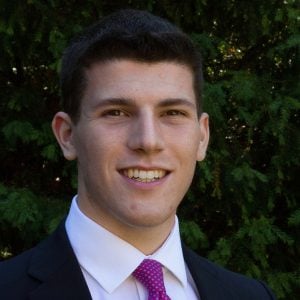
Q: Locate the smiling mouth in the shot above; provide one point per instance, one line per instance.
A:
(144, 175)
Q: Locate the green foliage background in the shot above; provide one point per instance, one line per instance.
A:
(242, 210)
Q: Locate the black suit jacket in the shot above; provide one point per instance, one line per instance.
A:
(50, 271)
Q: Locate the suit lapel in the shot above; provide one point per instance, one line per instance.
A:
(206, 278)
(54, 264)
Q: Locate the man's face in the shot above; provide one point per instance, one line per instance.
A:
(137, 142)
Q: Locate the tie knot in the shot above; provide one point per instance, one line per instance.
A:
(150, 274)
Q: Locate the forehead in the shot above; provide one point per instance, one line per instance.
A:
(132, 79)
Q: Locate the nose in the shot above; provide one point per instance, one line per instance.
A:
(145, 134)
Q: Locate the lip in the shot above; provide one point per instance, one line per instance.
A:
(141, 184)
(145, 167)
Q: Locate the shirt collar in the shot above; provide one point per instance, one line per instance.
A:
(98, 251)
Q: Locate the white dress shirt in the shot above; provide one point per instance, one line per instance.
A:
(107, 261)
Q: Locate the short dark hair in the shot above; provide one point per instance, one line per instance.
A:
(125, 34)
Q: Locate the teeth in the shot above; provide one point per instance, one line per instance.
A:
(130, 173)
(135, 173)
(143, 175)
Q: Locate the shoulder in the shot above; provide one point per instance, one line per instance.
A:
(23, 273)
(222, 281)
(12, 269)
(14, 278)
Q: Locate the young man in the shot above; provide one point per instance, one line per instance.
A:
(133, 120)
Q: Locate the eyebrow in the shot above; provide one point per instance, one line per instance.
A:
(114, 102)
(131, 102)
(177, 101)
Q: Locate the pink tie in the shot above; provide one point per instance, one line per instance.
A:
(150, 274)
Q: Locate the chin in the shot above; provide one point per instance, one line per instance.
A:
(149, 220)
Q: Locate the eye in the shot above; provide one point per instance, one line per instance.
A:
(174, 112)
(114, 113)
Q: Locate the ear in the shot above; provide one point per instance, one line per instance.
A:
(204, 136)
(62, 127)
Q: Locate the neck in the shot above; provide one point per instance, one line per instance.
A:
(146, 232)
(146, 239)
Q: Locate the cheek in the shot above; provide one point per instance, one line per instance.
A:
(91, 140)
(100, 152)
(187, 145)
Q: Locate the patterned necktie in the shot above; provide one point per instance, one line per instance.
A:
(150, 274)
